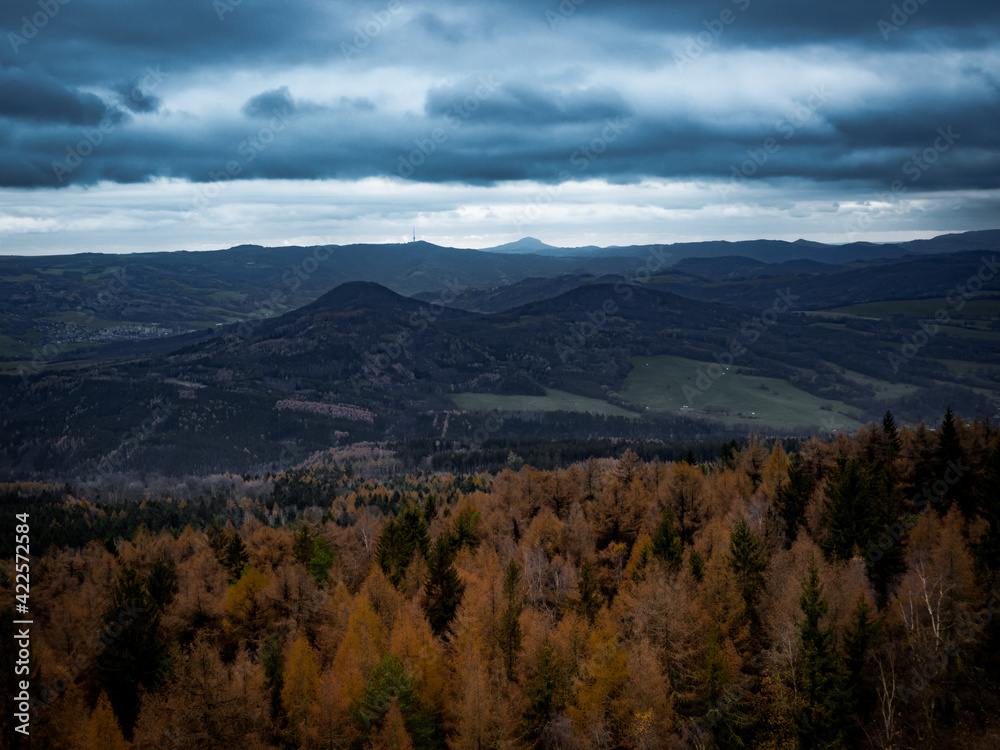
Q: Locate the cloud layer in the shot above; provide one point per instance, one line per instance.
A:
(847, 99)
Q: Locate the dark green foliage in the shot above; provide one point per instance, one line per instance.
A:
(697, 566)
(864, 634)
(321, 561)
(400, 540)
(302, 548)
(588, 599)
(134, 656)
(389, 683)
(988, 548)
(794, 497)
(851, 519)
(547, 690)
(666, 542)
(894, 441)
(273, 662)
(748, 561)
(720, 702)
(463, 529)
(444, 589)
(822, 715)
(509, 634)
(236, 557)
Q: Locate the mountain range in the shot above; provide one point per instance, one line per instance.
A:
(223, 361)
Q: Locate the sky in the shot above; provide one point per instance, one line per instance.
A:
(204, 124)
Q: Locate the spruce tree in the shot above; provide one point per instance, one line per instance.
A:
(666, 541)
(794, 496)
(851, 520)
(509, 634)
(822, 714)
(588, 599)
(748, 561)
(546, 690)
(444, 589)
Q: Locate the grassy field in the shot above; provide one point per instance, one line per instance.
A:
(657, 384)
(553, 400)
(924, 308)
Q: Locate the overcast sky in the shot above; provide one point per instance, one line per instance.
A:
(193, 124)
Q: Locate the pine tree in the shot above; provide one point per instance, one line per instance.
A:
(588, 600)
(749, 561)
(721, 705)
(320, 561)
(666, 541)
(894, 440)
(546, 690)
(509, 634)
(822, 714)
(391, 685)
(134, 657)
(236, 557)
(794, 496)
(851, 515)
(444, 589)
(865, 633)
(303, 546)
(400, 539)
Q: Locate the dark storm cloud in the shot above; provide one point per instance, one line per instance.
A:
(35, 97)
(558, 76)
(266, 104)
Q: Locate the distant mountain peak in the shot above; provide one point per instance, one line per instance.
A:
(525, 244)
(367, 294)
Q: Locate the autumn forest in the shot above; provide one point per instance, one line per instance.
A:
(840, 593)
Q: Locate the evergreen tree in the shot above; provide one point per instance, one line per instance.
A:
(864, 634)
(794, 496)
(546, 691)
(391, 684)
(822, 713)
(666, 541)
(588, 599)
(697, 566)
(400, 540)
(948, 457)
(273, 664)
(894, 441)
(134, 655)
(723, 712)
(303, 545)
(988, 489)
(851, 520)
(748, 561)
(236, 557)
(321, 561)
(509, 634)
(444, 589)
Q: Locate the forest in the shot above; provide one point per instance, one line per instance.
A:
(822, 593)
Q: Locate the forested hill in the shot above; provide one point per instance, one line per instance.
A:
(841, 595)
